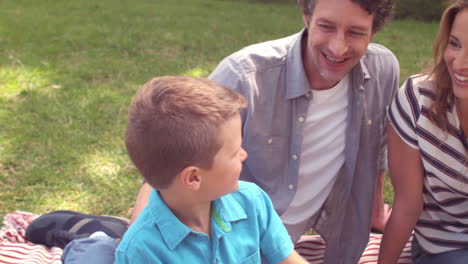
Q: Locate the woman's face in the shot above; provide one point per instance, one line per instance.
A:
(456, 55)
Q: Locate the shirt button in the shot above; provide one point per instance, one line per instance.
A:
(369, 122)
(270, 141)
(300, 119)
(294, 157)
(291, 187)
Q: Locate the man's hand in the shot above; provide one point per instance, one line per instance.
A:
(379, 219)
(382, 211)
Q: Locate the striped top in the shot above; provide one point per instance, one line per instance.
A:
(443, 224)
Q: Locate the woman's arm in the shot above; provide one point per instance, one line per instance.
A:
(141, 201)
(406, 172)
(294, 258)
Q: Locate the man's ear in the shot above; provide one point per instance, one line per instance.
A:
(190, 178)
(306, 20)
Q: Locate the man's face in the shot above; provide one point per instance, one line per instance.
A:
(339, 32)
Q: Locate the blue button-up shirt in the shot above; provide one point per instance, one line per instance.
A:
(272, 78)
(244, 229)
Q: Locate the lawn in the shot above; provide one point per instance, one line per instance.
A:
(68, 70)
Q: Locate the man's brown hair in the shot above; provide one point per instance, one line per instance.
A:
(173, 123)
(381, 9)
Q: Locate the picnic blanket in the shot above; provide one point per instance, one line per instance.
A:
(15, 248)
(312, 248)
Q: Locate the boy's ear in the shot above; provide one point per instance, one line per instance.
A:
(190, 178)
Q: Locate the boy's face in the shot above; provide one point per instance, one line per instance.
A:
(339, 32)
(222, 178)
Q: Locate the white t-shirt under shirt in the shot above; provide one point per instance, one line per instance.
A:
(322, 154)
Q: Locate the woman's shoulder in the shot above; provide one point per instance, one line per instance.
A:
(419, 87)
(421, 83)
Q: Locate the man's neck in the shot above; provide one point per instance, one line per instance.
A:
(190, 211)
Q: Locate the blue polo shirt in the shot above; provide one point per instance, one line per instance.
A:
(244, 229)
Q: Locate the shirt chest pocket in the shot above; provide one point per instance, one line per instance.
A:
(252, 259)
(267, 158)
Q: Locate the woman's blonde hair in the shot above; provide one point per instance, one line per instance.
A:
(440, 74)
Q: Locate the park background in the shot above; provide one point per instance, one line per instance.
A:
(68, 70)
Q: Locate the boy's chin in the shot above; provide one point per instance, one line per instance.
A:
(234, 188)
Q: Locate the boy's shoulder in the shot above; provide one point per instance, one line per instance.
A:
(248, 187)
(156, 229)
(251, 198)
(143, 225)
(142, 232)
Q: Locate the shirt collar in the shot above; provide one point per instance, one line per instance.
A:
(229, 209)
(224, 211)
(296, 78)
(174, 231)
(360, 71)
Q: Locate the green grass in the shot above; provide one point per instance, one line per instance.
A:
(411, 42)
(68, 70)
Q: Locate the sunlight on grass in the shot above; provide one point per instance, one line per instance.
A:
(101, 164)
(15, 80)
(74, 200)
(197, 72)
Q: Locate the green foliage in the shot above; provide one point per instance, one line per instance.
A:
(411, 42)
(423, 10)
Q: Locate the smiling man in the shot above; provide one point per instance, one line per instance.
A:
(315, 123)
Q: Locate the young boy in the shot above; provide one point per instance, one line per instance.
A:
(184, 137)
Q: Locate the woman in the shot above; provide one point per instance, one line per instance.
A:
(428, 149)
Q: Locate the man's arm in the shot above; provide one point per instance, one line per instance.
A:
(382, 211)
(141, 201)
(294, 258)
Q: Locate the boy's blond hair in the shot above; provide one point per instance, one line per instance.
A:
(173, 123)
